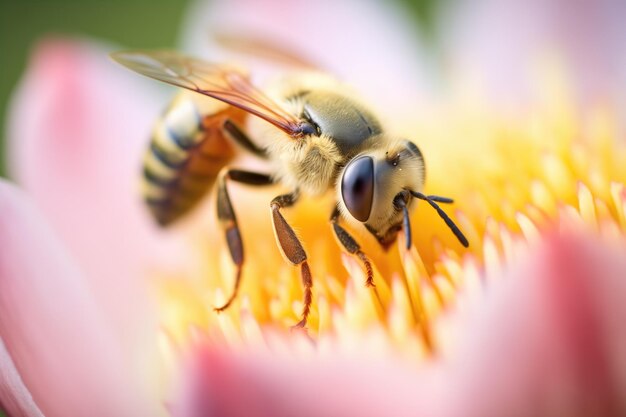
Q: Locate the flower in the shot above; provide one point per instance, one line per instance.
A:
(514, 324)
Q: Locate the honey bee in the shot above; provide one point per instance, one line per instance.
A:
(317, 137)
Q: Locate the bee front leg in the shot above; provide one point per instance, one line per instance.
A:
(228, 220)
(292, 249)
(351, 246)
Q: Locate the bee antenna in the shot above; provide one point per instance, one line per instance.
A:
(432, 200)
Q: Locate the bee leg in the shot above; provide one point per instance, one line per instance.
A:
(238, 136)
(228, 220)
(351, 246)
(292, 249)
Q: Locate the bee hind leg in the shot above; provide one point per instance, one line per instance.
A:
(228, 220)
(351, 246)
(292, 249)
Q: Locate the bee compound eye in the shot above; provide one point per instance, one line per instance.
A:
(357, 187)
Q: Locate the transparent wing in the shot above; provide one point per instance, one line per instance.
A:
(217, 81)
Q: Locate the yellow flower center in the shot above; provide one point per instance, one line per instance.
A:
(511, 178)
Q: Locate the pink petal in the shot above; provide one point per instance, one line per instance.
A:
(62, 348)
(228, 385)
(504, 41)
(372, 45)
(552, 343)
(78, 126)
(14, 397)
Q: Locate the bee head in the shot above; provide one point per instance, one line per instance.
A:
(373, 188)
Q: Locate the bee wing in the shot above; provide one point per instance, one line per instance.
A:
(224, 83)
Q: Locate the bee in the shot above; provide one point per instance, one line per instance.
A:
(317, 138)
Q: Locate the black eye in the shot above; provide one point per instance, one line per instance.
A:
(357, 187)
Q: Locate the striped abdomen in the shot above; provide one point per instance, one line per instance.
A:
(186, 153)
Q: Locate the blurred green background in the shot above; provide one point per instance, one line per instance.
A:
(131, 23)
